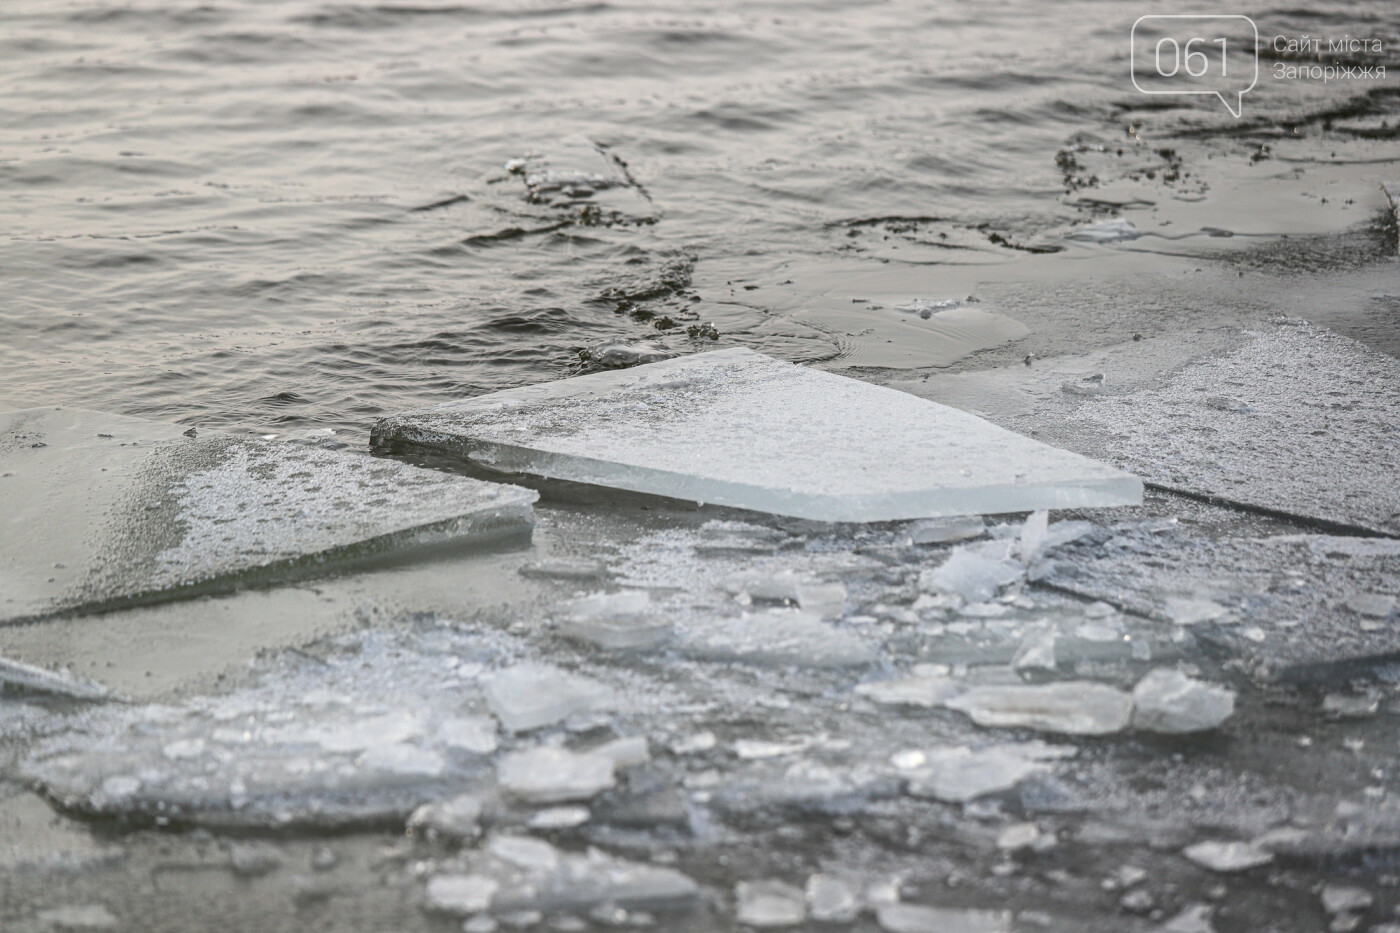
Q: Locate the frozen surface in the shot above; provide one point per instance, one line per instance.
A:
(737, 428)
(1297, 420)
(1280, 602)
(645, 784)
(134, 510)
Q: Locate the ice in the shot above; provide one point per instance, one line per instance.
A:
(15, 675)
(831, 900)
(560, 817)
(913, 918)
(767, 904)
(919, 689)
(253, 860)
(1375, 605)
(1016, 837)
(566, 568)
(1194, 918)
(693, 744)
(1227, 856)
(1192, 610)
(617, 355)
(1168, 701)
(1037, 652)
(928, 307)
(531, 696)
(960, 774)
(734, 427)
(359, 735)
(1345, 899)
(475, 734)
(777, 637)
(1034, 535)
(1331, 398)
(78, 917)
(614, 621)
(1116, 230)
(531, 875)
(555, 775)
(824, 600)
(460, 895)
(626, 752)
(455, 819)
(163, 514)
(974, 572)
(947, 530)
(1068, 707)
(1275, 601)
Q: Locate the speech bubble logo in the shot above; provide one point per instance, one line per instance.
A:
(1187, 53)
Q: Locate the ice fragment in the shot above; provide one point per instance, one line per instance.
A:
(554, 775)
(737, 428)
(1069, 707)
(530, 696)
(1168, 701)
(1227, 856)
(769, 904)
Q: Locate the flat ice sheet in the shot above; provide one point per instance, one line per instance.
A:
(99, 510)
(1299, 420)
(738, 428)
(1289, 417)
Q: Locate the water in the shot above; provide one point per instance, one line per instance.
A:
(268, 216)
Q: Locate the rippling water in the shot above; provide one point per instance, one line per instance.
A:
(268, 215)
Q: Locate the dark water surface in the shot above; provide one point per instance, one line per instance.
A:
(277, 215)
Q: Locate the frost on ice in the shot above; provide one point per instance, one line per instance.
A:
(734, 427)
(167, 514)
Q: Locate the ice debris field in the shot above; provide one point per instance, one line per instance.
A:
(875, 682)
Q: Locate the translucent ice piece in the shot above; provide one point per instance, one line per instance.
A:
(960, 774)
(99, 510)
(734, 427)
(16, 675)
(530, 696)
(1169, 701)
(1070, 707)
(769, 904)
(555, 775)
(778, 637)
(914, 918)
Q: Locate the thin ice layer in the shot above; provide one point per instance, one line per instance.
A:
(737, 428)
(1298, 420)
(99, 510)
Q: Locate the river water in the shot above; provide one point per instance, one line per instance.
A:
(268, 216)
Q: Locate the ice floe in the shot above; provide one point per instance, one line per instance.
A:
(167, 514)
(734, 427)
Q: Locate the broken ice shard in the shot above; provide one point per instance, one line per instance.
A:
(1169, 701)
(136, 511)
(737, 428)
(1070, 707)
(16, 675)
(555, 775)
(530, 696)
(959, 774)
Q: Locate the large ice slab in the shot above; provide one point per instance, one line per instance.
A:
(100, 510)
(737, 428)
(1289, 417)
